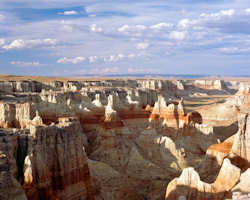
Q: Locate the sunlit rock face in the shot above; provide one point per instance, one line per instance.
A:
(55, 166)
(189, 185)
(211, 84)
(49, 163)
(121, 139)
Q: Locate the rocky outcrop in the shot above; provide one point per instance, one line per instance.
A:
(110, 184)
(165, 114)
(211, 84)
(189, 186)
(137, 134)
(10, 188)
(240, 151)
(242, 188)
(45, 163)
(16, 115)
(56, 164)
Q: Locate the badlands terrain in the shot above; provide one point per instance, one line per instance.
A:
(124, 139)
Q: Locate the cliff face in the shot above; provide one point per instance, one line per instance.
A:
(56, 164)
(10, 188)
(211, 84)
(189, 185)
(114, 139)
(49, 163)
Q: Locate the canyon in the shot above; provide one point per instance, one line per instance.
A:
(124, 138)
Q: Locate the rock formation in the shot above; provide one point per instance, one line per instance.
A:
(189, 185)
(121, 139)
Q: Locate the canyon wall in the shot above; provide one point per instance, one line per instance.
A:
(116, 139)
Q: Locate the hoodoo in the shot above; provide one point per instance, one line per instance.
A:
(123, 139)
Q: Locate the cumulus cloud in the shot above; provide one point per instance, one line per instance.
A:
(70, 12)
(26, 64)
(95, 28)
(177, 35)
(162, 25)
(123, 28)
(16, 44)
(140, 27)
(142, 45)
(127, 28)
(221, 13)
(22, 44)
(114, 58)
(185, 23)
(75, 60)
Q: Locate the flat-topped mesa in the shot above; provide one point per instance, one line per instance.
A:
(211, 84)
(189, 186)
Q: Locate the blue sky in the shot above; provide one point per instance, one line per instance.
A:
(80, 37)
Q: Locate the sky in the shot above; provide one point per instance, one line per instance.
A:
(100, 37)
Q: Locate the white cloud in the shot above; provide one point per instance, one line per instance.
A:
(140, 27)
(123, 28)
(160, 26)
(26, 64)
(221, 13)
(21, 44)
(177, 35)
(185, 23)
(247, 10)
(142, 45)
(229, 12)
(127, 28)
(75, 60)
(114, 58)
(92, 59)
(16, 44)
(69, 12)
(95, 28)
(2, 41)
